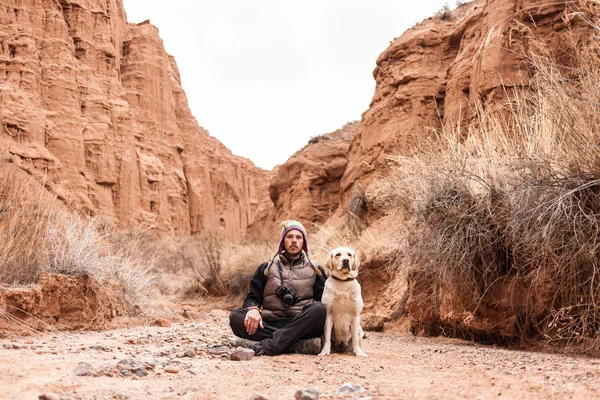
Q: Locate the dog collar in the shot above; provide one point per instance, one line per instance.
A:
(343, 280)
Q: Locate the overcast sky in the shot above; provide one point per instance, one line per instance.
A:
(263, 76)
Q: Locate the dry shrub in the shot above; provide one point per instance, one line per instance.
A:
(444, 13)
(356, 208)
(201, 260)
(513, 202)
(242, 261)
(208, 265)
(38, 235)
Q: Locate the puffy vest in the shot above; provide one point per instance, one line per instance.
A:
(303, 278)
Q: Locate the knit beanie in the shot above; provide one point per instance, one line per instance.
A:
(287, 226)
(290, 225)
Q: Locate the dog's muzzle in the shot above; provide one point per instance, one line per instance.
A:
(345, 264)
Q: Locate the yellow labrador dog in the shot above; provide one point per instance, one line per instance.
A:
(343, 301)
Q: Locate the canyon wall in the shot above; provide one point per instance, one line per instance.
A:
(307, 186)
(430, 77)
(93, 108)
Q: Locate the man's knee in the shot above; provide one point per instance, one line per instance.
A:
(318, 311)
(236, 320)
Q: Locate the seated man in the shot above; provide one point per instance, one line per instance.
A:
(283, 312)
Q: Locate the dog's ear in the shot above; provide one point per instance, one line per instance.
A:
(356, 262)
(328, 261)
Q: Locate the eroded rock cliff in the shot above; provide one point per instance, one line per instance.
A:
(93, 108)
(432, 75)
(307, 186)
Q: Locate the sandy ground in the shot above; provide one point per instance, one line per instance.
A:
(190, 361)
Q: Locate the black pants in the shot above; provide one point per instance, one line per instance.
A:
(280, 335)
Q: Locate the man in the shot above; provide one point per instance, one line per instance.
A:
(283, 312)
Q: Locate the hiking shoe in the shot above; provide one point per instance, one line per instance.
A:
(250, 344)
(308, 346)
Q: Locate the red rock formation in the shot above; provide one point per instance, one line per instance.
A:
(307, 186)
(431, 75)
(93, 107)
(66, 302)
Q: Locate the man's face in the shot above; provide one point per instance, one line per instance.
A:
(293, 243)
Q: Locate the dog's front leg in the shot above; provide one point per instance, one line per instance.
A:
(327, 336)
(356, 338)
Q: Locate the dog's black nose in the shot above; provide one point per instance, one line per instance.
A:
(345, 263)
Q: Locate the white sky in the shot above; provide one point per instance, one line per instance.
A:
(263, 76)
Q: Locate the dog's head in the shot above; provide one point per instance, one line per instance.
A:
(342, 262)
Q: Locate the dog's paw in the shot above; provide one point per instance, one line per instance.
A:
(360, 353)
(324, 353)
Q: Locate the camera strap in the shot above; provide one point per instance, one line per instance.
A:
(279, 265)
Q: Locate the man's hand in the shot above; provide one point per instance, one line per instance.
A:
(252, 321)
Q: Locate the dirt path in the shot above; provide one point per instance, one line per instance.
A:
(398, 367)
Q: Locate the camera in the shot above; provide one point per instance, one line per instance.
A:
(287, 295)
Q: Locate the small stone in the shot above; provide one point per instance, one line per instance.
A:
(102, 348)
(83, 369)
(172, 369)
(162, 322)
(47, 397)
(140, 371)
(307, 394)
(29, 341)
(218, 352)
(350, 388)
(189, 354)
(149, 362)
(372, 322)
(125, 364)
(241, 354)
(258, 396)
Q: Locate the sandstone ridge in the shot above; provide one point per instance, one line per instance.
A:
(93, 108)
(431, 76)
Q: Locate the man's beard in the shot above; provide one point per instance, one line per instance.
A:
(293, 252)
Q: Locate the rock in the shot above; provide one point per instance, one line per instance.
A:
(140, 371)
(372, 322)
(172, 369)
(350, 388)
(257, 396)
(187, 311)
(102, 348)
(48, 397)
(83, 369)
(126, 364)
(307, 394)
(189, 353)
(241, 354)
(162, 322)
(218, 351)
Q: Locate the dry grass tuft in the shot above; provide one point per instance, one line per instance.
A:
(38, 235)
